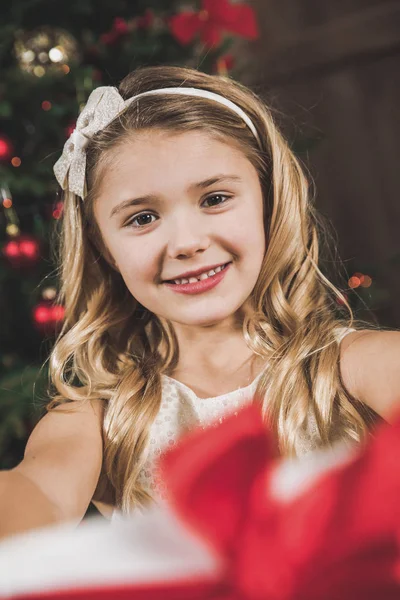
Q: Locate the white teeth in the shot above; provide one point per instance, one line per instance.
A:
(200, 277)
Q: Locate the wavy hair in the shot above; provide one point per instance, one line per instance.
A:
(112, 348)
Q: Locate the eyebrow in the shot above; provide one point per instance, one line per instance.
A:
(153, 199)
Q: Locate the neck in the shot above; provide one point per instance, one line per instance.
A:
(216, 349)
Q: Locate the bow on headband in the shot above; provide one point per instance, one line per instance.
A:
(103, 105)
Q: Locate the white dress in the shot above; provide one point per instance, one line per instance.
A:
(181, 410)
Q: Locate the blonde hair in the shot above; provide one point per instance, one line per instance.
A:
(112, 348)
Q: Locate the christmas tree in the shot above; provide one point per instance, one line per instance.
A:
(52, 55)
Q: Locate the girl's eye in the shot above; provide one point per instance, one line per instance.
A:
(137, 219)
(216, 196)
(145, 216)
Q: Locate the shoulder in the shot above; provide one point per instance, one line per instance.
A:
(370, 369)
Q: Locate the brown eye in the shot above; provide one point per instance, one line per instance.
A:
(216, 196)
(142, 220)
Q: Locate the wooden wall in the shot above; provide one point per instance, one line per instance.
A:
(331, 69)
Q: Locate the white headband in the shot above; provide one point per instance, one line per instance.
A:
(103, 106)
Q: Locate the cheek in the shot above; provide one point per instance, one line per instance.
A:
(247, 234)
(136, 265)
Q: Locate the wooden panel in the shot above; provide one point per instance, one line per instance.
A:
(319, 36)
(332, 72)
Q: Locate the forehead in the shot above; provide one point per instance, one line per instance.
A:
(152, 159)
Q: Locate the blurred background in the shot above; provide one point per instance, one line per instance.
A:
(330, 72)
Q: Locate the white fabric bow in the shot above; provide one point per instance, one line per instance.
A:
(103, 105)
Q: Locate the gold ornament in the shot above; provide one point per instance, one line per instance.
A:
(12, 230)
(49, 293)
(46, 51)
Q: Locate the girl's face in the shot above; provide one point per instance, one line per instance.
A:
(173, 203)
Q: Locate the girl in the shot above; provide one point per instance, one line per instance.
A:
(189, 273)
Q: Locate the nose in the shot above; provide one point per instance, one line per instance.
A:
(187, 237)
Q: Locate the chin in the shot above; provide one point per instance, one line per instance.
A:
(206, 320)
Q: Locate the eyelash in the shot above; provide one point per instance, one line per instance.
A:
(129, 223)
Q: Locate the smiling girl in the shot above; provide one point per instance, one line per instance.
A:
(189, 273)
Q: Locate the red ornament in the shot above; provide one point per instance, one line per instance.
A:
(6, 148)
(119, 29)
(215, 17)
(354, 282)
(58, 210)
(22, 251)
(47, 316)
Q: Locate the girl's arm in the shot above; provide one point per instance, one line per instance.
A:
(58, 475)
(370, 369)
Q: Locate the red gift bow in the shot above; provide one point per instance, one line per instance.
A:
(216, 16)
(337, 538)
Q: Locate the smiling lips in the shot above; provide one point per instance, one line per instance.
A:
(195, 273)
(197, 285)
(199, 276)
